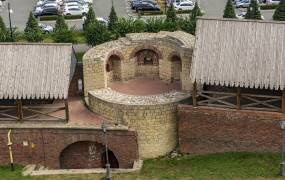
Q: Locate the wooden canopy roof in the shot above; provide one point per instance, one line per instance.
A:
(244, 53)
(35, 71)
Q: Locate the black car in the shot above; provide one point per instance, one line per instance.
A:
(144, 6)
(47, 12)
(135, 3)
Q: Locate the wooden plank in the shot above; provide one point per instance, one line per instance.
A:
(283, 101)
(238, 98)
(66, 110)
(194, 94)
(20, 109)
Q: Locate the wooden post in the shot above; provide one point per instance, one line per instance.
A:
(283, 101)
(238, 98)
(66, 110)
(20, 109)
(194, 94)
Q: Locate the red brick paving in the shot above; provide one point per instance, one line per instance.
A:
(144, 86)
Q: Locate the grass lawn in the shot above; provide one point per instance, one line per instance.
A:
(237, 166)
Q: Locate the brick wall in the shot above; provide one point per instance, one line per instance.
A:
(45, 146)
(73, 87)
(210, 130)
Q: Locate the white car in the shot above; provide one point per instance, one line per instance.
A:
(242, 15)
(242, 3)
(41, 2)
(75, 10)
(89, 1)
(188, 5)
(46, 28)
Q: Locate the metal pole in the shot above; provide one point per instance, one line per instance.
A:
(9, 11)
(282, 173)
(108, 166)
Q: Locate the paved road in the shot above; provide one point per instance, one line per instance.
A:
(21, 9)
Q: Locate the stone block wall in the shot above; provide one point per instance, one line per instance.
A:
(44, 146)
(155, 124)
(210, 130)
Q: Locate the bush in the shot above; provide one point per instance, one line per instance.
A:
(90, 18)
(185, 25)
(97, 33)
(154, 24)
(268, 6)
(150, 13)
(4, 34)
(62, 34)
(279, 14)
(253, 11)
(32, 31)
(113, 18)
(229, 11)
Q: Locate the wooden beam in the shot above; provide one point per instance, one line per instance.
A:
(194, 94)
(238, 98)
(66, 110)
(20, 109)
(283, 101)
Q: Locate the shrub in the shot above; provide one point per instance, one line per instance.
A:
(62, 34)
(279, 14)
(229, 11)
(4, 34)
(154, 24)
(171, 14)
(90, 18)
(113, 18)
(253, 11)
(97, 33)
(32, 31)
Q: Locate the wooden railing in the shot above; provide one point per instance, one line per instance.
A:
(239, 100)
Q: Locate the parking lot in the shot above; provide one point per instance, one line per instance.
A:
(21, 9)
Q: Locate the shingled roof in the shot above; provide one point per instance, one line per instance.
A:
(243, 53)
(35, 71)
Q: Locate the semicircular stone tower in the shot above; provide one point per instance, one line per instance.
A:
(138, 81)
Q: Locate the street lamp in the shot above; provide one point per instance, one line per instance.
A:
(108, 167)
(282, 126)
(10, 22)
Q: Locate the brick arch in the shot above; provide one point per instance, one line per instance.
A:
(142, 47)
(172, 54)
(75, 141)
(116, 53)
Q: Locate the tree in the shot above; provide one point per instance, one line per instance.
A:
(229, 11)
(279, 14)
(253, 11)
(32, 31)
(62, 34)
(3, 31)
(113, 18)
(97, 33)
(195, 13)
(171, 14)
(90, 18)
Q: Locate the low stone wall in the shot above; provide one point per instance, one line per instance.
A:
(43, 145)
(153, 117)
(211, 130)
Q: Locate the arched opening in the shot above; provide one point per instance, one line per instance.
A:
(85, 155)
(176, 68)
(112, 159)
(113, 68)
(147, 63)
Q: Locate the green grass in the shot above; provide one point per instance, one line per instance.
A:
(226, 166)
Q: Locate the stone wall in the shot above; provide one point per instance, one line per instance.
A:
(154, 122)
(211, 130)
(164, 44)
(44, 146)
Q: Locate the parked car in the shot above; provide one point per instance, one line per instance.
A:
(75, 10)
(272, 1)
(144, 6)
(76, 1)
(102, 20)
(41, 2)
(46, 28)
(0, 3)
(40, 8)
(85, 6)
(242, 15)
(242, 3)
(135, 3)
(47, 11)
(184, 6)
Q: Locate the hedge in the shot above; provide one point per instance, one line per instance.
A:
(268, 6)
(148, 13)
(53, 18)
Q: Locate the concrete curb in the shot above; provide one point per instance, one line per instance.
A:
(30, 170)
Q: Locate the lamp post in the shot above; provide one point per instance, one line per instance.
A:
(108, 167)
(282, 126)
(10, 22)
